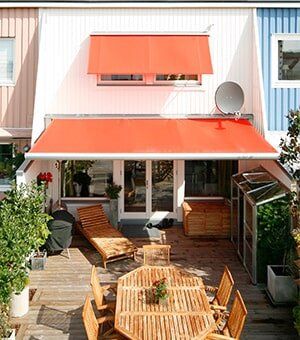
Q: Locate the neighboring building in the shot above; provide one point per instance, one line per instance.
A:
(18, 64)
(279, 40)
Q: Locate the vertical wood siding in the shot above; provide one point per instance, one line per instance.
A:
(278, 100)
(16, 102)
(64, 87)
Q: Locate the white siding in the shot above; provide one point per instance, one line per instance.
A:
(63, 86)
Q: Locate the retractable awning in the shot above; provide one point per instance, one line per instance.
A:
(151, 139)
(149, 54)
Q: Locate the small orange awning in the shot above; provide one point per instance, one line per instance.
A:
(151, 139)
(149, 54)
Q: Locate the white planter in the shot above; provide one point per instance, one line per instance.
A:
(12, 335)
(282, 288)
(113, 212)
(20, 303)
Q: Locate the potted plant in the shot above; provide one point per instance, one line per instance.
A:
(112, 192)
(23, 229)
(84, 180)
(275, 244)
(159, 289)
(6, 332)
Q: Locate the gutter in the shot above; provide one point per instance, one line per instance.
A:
(83, 4)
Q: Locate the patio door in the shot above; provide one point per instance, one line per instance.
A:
(148, 189)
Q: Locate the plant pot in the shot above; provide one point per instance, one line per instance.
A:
(20, 303)
(38, 260)
(12, 335)
(281, 286)
(113, 212)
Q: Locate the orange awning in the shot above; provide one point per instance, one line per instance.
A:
(151, 139)
(149, 54)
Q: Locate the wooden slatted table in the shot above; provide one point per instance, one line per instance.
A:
(186, 315)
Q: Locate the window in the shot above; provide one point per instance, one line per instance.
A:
(86, 178)
(6, 61)
(110, 79)
(286, 60)
(178, 79)
(10, 161)
(208, 178)
(139, 79)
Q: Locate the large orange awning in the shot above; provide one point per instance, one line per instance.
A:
(149, 54)
(151, 139)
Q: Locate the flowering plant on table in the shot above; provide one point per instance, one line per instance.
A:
(159, 290)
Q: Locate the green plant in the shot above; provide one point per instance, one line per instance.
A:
(112, 190)
(5, 328)
(159, 289)
(274, 240)
(296, 315)
(290, 157)
(23, 229)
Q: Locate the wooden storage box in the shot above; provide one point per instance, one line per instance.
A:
(206, 218)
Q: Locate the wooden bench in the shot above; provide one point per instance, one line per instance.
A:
(108, 241)
(204, 218)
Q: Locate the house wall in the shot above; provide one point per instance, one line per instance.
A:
(16, 101)
(64, 87)
(278, 101)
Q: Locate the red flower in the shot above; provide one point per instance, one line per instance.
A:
(45, 177)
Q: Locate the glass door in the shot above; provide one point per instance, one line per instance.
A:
(162, 185)
(135, 191)
(148, 189)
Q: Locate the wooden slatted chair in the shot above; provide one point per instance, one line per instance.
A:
(223, 292)
(157, 255)
(93, 326)
(99, 291)
(109, 242)
(235, 321)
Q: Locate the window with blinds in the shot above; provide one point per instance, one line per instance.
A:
(6, 61)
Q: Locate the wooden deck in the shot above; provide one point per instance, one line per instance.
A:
(55, 311)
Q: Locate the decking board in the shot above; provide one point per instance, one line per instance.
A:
(55, 311)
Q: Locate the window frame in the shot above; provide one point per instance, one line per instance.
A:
(101, 82)
(12, 81)
(277, 83)
(197, 82)
(150, 80)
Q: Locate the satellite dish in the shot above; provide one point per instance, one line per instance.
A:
(229, 97)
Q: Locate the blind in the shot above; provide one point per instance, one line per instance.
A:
(6, 60)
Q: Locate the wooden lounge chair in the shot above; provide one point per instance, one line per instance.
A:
(109, 242)
(235, 321)
(223, 292)
(98, 292)
(157, 255)
(93, 326)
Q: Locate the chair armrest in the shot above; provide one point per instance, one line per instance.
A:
(214, 336)
(210, 289)
(217, 307)
(105, 319)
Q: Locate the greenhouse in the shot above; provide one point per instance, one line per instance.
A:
(254, 194)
